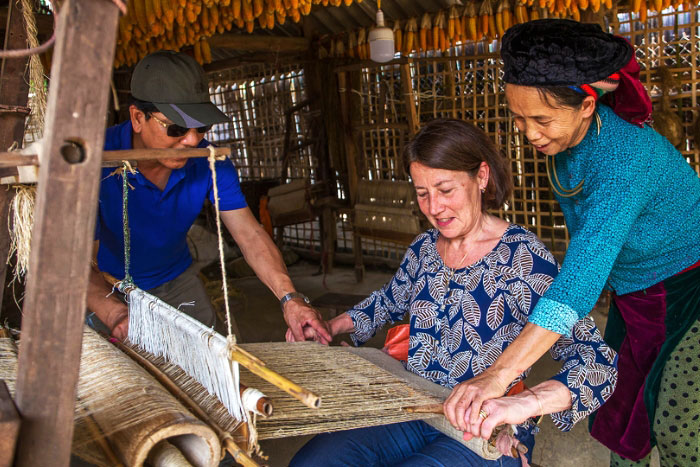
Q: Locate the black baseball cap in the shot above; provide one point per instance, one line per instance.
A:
(176, 84)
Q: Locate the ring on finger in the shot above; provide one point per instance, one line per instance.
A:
(483, 414)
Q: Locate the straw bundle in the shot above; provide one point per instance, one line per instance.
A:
(20, 225)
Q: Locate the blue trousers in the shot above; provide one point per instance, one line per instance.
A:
(414, 444)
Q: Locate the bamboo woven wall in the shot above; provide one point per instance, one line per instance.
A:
(467, 84)
(256, 97)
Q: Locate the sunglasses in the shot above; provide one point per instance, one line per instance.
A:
(176, 131)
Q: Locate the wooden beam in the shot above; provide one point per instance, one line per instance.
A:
(9, 426)
(14, 90)
(225, 64)
(409, 99)
(13, 159)
(59, 264)
(348, 104)
(260, 43)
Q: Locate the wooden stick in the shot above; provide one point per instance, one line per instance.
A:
(438, 410)
(227, 440)
(306, 397)
(429, 408)
(10, 423)
(239, 455)
(13, 159)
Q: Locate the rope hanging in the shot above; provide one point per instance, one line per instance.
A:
(128, 281)
(231, 339)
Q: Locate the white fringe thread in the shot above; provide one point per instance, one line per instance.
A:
(162, 330)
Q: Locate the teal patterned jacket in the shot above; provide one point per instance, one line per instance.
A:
(636, 222)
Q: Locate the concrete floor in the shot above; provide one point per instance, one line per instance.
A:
(260, 320)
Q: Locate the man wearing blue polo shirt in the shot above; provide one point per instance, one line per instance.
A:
(171, 109)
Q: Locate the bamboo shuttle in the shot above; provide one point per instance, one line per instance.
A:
(263, 405)
(258, 368)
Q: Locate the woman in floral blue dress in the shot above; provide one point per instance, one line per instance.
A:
(468, 285)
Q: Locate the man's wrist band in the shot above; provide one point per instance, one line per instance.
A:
(293, 295)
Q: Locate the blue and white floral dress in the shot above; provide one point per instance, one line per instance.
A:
(462, 320)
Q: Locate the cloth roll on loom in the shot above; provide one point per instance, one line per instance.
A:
(360, 387)
(123, 416)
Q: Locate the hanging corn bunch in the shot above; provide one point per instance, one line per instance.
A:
(454, 26)
(409, 44)
(398, 35)
(426, 24)
(151, 25)
(362, 44)
(487, 20)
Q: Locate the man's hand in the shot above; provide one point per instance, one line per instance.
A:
(464, 403)
(299, 315)
(117, 320)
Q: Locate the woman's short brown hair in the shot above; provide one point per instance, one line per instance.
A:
(453, 144)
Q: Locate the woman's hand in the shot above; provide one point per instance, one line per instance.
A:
(504, 410)
(469, 396)
(309, 335)
(547, 397)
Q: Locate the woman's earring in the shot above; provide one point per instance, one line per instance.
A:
(483, 190)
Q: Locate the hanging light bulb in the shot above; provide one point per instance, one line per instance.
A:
(381, 40)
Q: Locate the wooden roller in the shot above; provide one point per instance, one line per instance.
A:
(135, 412)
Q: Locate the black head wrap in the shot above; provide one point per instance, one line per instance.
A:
(561, 52)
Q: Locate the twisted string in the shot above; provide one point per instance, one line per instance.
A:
(231, 339)
(125, 216)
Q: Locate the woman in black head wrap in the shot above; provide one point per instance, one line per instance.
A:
(632, 207)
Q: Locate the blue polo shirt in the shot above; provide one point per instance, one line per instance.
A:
(158, 220)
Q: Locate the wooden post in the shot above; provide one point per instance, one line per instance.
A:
(54, 305)
(351, 153)
(409, 99)
(14, 90)
(318, 78)
(9, 426)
